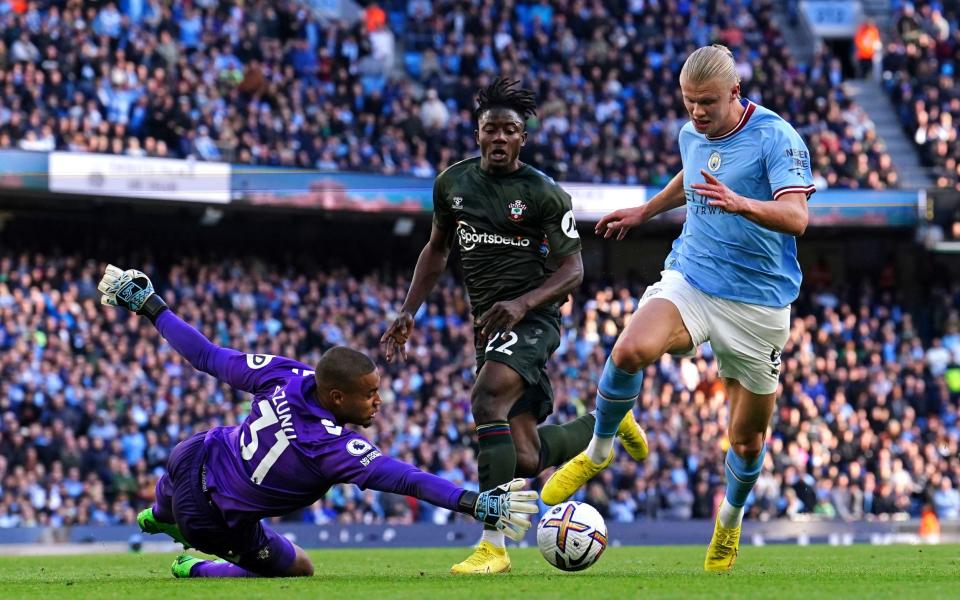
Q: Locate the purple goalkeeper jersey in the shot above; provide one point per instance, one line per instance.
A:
(289, 450)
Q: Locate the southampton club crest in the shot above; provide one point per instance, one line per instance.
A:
(516, 210)
(714, 162)
(457, 202)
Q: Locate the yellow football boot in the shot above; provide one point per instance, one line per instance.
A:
(632, 438)
(570, 477)
(487, 558)
(723, 549)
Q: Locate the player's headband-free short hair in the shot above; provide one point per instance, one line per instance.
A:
(503, 93)
(339, 368)
(709, 63)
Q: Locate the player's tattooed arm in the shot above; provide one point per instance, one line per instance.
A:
(430, 265)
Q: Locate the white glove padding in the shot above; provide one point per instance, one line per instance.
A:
(130, 289)
(508, 508)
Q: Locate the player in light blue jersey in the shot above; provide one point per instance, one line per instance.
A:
(729, 279)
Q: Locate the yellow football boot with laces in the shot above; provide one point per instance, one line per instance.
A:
(487, 558)
(569, 478)
(723, 549)
(633, 438)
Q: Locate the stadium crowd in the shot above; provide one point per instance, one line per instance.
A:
(920, 73)
(92, 400)
(273, 83)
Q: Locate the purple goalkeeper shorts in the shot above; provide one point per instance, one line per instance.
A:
(250, 545)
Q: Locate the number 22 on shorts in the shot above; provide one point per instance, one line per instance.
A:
(508, 340)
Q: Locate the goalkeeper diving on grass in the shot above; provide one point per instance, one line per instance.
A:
(288, 452)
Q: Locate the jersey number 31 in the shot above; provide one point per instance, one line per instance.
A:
(248, 449)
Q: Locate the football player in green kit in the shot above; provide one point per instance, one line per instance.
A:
(520, 254)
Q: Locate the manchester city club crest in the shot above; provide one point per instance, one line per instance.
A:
(714, 162)
(516, 210)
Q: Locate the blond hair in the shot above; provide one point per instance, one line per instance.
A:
(710, 63)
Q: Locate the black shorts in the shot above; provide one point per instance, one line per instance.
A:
(250, 545)
(526, 350)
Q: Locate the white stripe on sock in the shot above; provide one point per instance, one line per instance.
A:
(730, 516)
(599, 448)
(493, 537)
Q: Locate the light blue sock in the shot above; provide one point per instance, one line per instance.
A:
(741, 476)
(616, 394)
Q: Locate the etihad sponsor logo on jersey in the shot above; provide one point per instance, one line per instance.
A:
(698, 204)
(516, 210)
(470, 238)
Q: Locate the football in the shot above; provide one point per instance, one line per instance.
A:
(572, 536)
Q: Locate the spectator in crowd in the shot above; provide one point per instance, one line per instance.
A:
(866, 42)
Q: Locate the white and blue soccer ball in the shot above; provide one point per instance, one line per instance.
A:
(572, 536)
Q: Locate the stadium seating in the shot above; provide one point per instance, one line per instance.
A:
(270, 84)
(92, 401)
(920, 73)
(606, 74)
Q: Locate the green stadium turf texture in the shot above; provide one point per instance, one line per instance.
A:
(779, 572)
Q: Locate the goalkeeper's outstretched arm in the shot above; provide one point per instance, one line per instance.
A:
(133, 290)
(507, 507)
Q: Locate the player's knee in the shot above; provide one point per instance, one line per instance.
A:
(488, 404)
(748, 447)
(634, 355)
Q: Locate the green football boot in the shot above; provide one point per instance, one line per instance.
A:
(149, 524)
(183, 564)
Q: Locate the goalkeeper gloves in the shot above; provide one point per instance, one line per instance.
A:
(132, 290)
(505, 507)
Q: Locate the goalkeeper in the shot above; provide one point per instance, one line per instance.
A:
(286, 454)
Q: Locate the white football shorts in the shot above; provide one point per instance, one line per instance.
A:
(746, 338)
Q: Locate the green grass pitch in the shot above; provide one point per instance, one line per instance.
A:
(779, 572)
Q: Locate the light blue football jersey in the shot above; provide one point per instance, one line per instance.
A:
(727, 255)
